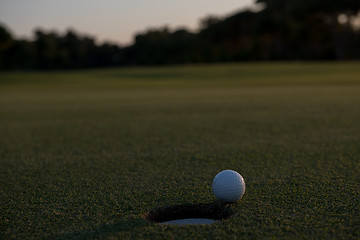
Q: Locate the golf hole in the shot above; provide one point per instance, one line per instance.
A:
(190, 214)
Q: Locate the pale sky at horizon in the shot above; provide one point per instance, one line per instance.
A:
(111, 20)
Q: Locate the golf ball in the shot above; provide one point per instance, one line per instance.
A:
(228, 186)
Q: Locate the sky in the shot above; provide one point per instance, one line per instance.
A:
(115, 21)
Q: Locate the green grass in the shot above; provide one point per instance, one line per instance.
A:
(85, 154)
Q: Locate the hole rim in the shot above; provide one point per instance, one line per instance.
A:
(217, 211)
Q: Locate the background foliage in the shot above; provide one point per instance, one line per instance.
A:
(281, 30)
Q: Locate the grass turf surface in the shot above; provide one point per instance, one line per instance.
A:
(85, 154)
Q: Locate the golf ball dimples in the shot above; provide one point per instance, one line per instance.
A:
(228, 186)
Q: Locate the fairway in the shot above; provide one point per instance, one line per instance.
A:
(86, 154)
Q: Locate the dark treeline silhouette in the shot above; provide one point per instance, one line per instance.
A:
(50, 51)
(282, 30)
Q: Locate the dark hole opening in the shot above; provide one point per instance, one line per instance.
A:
(216, 211)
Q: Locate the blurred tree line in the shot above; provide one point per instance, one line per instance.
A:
(281, 30)
(50, 51)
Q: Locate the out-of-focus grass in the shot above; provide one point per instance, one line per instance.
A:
(84, 154)
(227, 75)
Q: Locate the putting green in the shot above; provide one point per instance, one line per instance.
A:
(87, 154)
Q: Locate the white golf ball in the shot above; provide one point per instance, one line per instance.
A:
(228, 186)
